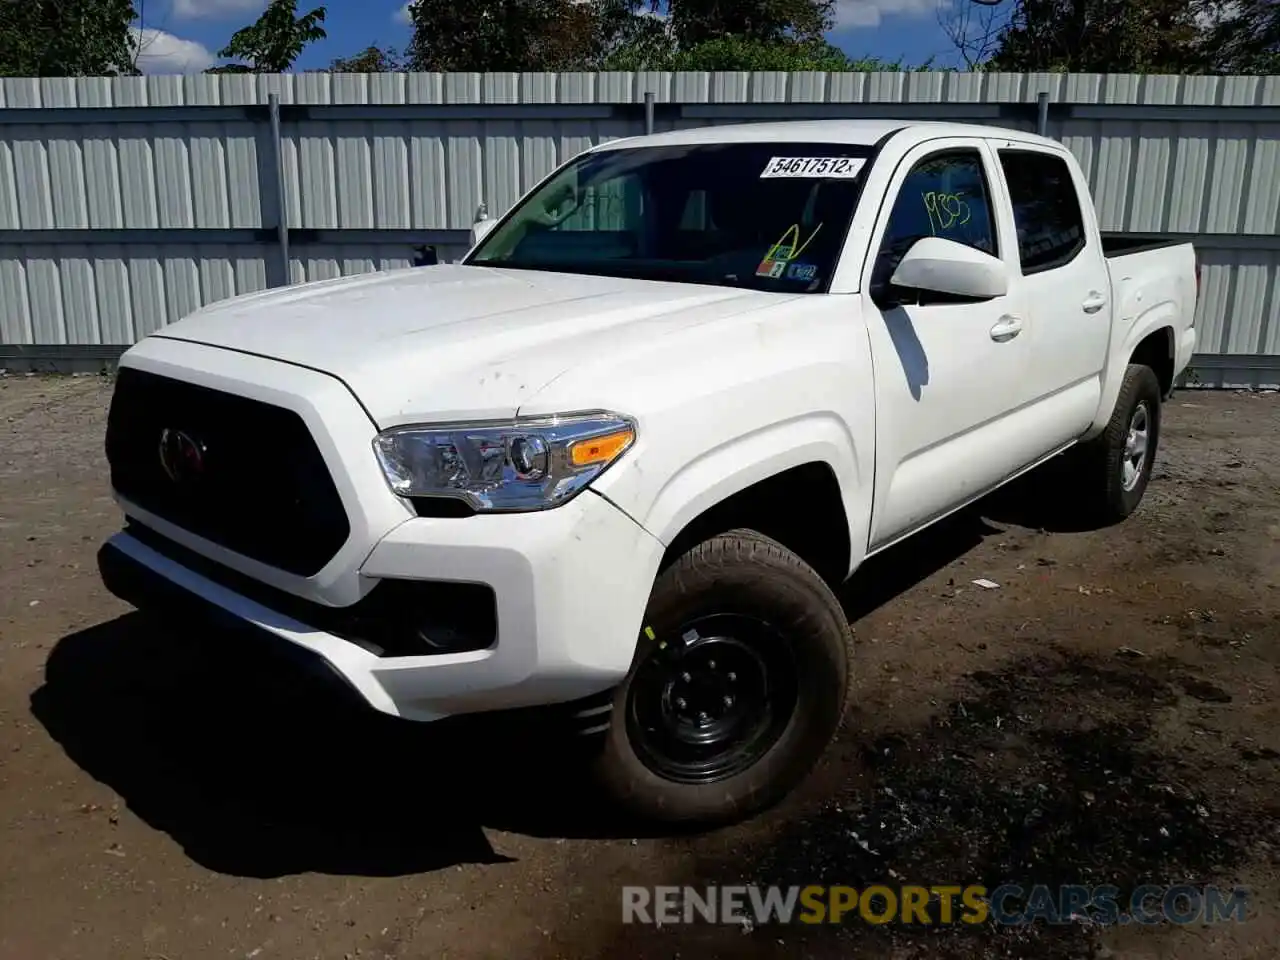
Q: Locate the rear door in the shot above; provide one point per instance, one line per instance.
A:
(1061, 286)
(949, 373)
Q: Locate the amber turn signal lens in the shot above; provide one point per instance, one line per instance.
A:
(585, 453)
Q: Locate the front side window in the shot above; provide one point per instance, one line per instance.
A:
(1046, 209)
(945, 195)
(767, 216)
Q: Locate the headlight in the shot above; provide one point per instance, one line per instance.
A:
(523, 465)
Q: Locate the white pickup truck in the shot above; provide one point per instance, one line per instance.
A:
(617, 458)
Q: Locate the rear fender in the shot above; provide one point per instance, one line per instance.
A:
(1160, 315)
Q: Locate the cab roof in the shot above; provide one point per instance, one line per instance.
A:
(861, 132)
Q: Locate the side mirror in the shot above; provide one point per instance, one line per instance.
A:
(943, 266)
(480, 229)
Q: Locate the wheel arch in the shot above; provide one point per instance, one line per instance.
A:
(1157, 350)
(801, 506)
(1150, 341)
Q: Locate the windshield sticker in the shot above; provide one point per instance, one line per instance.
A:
(774, 264)
(813, 168)
(802, 271)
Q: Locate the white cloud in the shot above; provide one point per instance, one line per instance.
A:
(403, 15)
(161, 52)
(215, 9)
(853, 14)
(1209, 17)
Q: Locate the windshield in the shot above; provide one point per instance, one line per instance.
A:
(768, 216)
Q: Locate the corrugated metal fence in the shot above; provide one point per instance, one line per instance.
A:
(126, 203)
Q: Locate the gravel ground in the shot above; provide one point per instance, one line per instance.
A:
(1107, 715)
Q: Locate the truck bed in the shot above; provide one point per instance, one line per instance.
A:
(1150, 272)
(1124, 244)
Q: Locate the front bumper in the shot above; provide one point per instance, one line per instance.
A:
(571, 585)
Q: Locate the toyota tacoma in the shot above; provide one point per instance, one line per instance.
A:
(618, 458)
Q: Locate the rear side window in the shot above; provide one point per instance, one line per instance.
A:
(1046, 209)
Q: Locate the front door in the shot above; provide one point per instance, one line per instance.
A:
(949, 373)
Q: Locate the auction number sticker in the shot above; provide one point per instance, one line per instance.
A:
(839, 168)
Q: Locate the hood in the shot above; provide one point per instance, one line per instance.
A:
(454, 342)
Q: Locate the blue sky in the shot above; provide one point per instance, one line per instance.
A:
(182, 36)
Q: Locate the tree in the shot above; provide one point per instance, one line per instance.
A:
(733, 35)
(1101, 36)
(745, 54)
(631, 29)
(640, 42)
(512, 35)
(372, 59)
(699, 21)
(67, 38)
(273, 43)
(534, 35)
(974, 28)
(1243, 36)
(1086, 36)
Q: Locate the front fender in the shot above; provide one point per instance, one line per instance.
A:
(665, 506)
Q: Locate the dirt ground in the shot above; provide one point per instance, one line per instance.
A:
(1107, 715)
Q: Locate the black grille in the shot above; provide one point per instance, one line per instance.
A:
(244, 474)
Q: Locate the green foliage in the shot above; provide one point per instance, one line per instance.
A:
(534, 35)
(743, 54)
(696, 22)
(372, 59)
(627, 30)
(503, 35)
(67, 38)
(273, 43)
(1244, 37)
(1128, 36)
(1101, 36)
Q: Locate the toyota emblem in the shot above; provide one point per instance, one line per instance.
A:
(181, 455)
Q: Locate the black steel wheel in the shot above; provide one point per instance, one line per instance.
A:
(738, 684)
(709, 702)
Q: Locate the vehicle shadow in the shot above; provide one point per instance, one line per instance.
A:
(1046, 499)
(259, 769)
(887, 575)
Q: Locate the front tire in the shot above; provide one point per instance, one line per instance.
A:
(739, 683)
(1116, 465)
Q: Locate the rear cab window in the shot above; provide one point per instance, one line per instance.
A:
(768, 216)
(1046, 209)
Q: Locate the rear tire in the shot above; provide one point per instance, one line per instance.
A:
(739, 682)
(1115, 467)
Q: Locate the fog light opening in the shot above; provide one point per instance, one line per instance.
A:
(442, 638)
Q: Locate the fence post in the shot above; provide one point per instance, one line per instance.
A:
(282, 206)
(1042, 113)
(649, 98)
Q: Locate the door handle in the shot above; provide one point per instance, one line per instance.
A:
(1094, 302)
(1006, 329)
